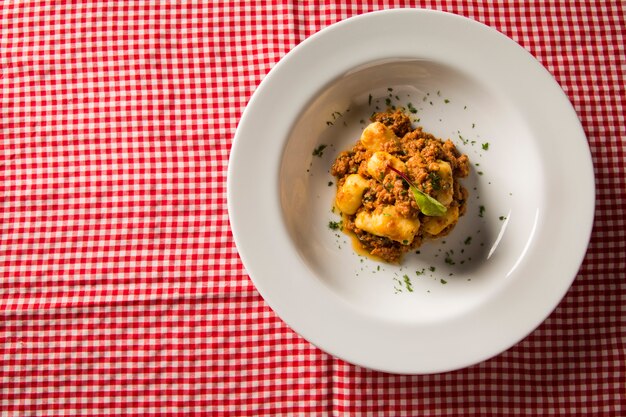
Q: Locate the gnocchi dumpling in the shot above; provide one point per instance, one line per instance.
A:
(385, 221)
(436, 224)
(444, 191)
(350, 193)
(378, 162)
(375, 135)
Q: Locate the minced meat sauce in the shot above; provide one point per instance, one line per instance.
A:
(381, 202)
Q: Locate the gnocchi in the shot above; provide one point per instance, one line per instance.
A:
(444, 190)
(387, 222)
(375, 193)
(434, 225)
(377, 164)
(350, 193)
(376, 135)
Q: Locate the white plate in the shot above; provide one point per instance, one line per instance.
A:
(534, 179)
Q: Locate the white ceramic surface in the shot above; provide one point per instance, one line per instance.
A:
(497, 276)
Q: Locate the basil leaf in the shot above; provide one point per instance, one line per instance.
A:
(428, 205)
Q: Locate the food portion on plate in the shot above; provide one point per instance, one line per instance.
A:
(399, 186)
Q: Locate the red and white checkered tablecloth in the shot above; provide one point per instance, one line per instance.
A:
(122, 292)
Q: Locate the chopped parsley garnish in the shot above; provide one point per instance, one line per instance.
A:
(411, 108)
(443, 281)
(468, 240)
(369, 100)
(334, 225)
(407, 282)
(502, 217)
(446, 101)
(431, 269)
(435, 180)
(485, 146)
(330, 183)
(388, 101)
(319, 151)
(481, 211)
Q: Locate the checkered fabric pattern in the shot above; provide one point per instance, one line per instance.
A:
(122, 292)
